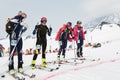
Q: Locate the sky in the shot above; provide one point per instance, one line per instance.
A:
(57, 12)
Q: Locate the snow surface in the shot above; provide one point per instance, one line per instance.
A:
(107, 68)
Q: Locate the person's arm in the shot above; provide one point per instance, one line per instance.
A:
(49, 31)
(34, 31)
(83, 34)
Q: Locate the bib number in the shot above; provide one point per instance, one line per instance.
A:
(60, 43)
(38, 46)
(13, 42)
(78, 41)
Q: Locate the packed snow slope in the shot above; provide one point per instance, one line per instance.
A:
(107, 68)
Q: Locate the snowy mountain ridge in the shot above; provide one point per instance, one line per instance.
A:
(111, 18)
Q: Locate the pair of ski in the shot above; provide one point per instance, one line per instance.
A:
(15, 76)
(22, 78)
(46, 68)
(86, 59)
(59, 62)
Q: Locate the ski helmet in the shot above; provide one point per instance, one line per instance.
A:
(69, 24)
(79, 22)
(43, 19)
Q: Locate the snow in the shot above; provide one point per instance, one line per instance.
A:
(107, 68)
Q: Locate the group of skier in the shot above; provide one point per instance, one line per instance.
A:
(66, 33)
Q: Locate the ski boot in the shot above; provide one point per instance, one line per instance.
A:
(20, 70)
(44, 64)
(11, 71)
(63, 59)
(33, 64)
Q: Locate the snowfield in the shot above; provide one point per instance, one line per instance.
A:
(107, 68)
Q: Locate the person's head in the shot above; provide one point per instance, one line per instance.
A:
(43, 20)
(79, 23)
(24, 15)
(20, 12)
(69, 24)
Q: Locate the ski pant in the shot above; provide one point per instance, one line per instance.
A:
(63, 45)
(79, 48)
(18, 49)
(40, 43)
(0, 53)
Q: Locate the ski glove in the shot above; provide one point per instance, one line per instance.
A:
(24, 29)
(34, 32)
(50, 31)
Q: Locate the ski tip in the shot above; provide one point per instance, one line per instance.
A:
(57, 68)
(3, 76)
(51, 70)
(22, 78)
(33, 75)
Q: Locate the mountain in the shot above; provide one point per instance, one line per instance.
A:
(111, 18)
(104, 33)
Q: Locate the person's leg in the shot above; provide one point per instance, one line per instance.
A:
(20, 59)
(38, 47)
(78, 49)
(11, 57)
(81, 48)
(44, 45)
(64, 48)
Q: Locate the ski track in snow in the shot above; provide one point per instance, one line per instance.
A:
(77, 69)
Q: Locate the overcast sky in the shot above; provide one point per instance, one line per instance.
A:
(58, 12)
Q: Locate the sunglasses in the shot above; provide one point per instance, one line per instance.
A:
(43, 21)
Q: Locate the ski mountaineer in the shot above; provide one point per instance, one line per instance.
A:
(79, 37)
(64, 34)
(14, 28)
(41, 31)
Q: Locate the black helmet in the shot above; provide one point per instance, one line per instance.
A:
(79, 22)
(69, 24)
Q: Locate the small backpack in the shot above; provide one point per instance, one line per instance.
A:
(9, 28)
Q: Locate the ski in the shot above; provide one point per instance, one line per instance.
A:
(85, 59)
(65, 62)
(28, 75)
(50, 69)
(16, 77)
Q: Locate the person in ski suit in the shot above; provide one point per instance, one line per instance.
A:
(79, 37)
(41, 31)
(15, 29)
(63, 35)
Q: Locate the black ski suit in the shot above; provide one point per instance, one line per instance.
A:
(16, 41)
(41, 30)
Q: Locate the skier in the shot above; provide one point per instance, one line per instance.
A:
(79, 37)
(64, 34)
(14, 28)
(41, 31)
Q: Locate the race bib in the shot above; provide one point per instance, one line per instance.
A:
(78, 41)
(60, 43)
(13, 42)
(38, 46)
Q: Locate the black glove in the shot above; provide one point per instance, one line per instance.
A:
(50, 29)
(85, 32)
(73, 37)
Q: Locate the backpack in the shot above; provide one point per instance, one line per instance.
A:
(9, 27)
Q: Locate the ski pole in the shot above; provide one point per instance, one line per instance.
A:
(74, 52)
(11, 54)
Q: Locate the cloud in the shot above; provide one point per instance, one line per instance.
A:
(98, 7)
